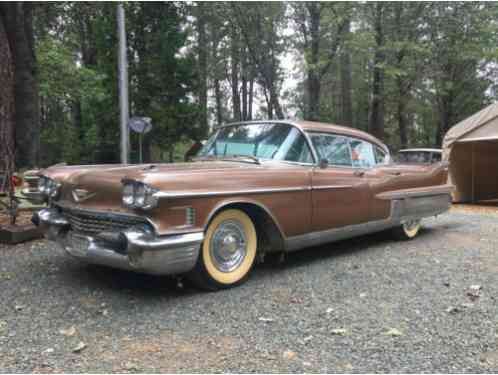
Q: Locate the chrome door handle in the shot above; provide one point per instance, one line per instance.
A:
(359, 173)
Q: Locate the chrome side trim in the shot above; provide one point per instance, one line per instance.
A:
(402, 210)
(417, 192)
(337, 234)
(191, 194)
(331, 187)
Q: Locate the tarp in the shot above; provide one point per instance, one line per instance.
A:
(471, 147)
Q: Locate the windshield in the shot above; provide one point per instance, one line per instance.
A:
(263, 141)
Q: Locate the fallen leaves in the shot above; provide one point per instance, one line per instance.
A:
(71, 331)
(393, 332)
(339, 332)
(296, 300)
(457, 309)
(474, 292)
(78, 348)
(289, 355)
(265, 320)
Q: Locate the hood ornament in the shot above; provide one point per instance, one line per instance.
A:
(80, 195)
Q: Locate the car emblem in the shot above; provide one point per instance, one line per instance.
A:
(81, 195)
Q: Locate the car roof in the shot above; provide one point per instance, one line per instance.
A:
(436, 150)
(313, 126)
(322, 127)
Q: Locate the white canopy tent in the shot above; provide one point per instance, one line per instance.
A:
(471, 147)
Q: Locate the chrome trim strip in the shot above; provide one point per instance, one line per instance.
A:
(426, 191)
(190, 194)
(330, 187)
(402, 210)
(336, 234)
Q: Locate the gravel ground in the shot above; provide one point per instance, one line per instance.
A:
(370, 304)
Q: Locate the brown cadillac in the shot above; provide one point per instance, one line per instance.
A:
(254, 188)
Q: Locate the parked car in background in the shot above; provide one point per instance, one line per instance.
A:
(254, 188)
(420, 155)
(30, 187)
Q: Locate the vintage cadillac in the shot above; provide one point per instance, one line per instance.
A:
(254, 188)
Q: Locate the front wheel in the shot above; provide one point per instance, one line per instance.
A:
(407, 230)
(227, 253)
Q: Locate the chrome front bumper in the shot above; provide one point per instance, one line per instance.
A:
(33, 195)
(135, 249)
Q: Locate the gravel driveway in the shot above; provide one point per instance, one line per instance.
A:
(369, 304)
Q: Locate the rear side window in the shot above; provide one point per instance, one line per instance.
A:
(380, 155)
(362, 154)
(436, 157)
(334, 148)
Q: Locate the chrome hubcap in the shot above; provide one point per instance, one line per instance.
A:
(228, 245)
(411, 225)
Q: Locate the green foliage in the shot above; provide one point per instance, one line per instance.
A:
(438, 66)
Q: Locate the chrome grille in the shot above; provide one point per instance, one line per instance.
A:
(93, 222)
(190, 216)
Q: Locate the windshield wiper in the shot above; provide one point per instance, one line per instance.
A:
(204, 158)
(247, 158)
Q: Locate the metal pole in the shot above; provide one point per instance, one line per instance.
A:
(140, 147)
(123, 84)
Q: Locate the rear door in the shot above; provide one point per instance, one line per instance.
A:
(340, 191)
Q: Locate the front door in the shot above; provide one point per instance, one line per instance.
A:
(340, 191)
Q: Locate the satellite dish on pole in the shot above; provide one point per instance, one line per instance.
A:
(140, 125)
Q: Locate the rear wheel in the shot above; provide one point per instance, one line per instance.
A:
(227, 253)
(407, 230)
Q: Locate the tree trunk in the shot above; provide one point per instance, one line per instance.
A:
(376, 120)
(347, 107)
(235, 59)
(218, 94)
(251, 94)
(445, 117)
(18, 21)
(202, 66)
(401, 115)
(313, 78)
(7, 109)
(244, 84)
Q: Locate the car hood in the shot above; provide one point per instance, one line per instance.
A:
(101, 185)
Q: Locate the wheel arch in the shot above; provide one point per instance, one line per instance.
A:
(270, 234)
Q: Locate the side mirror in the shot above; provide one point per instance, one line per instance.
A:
(324, 163)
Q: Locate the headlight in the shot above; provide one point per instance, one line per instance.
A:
(139, 195)
(48, 187)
